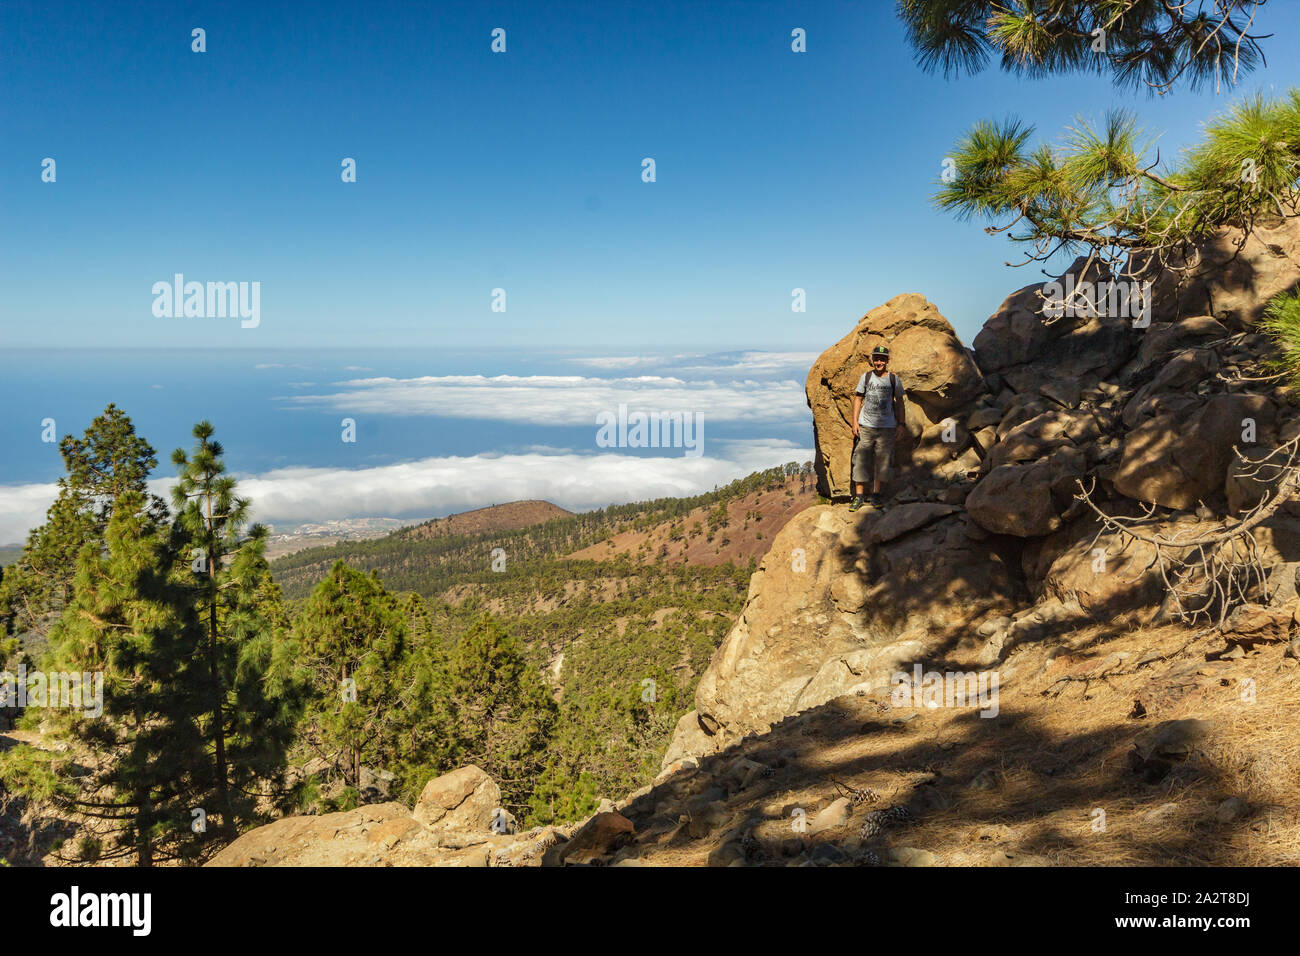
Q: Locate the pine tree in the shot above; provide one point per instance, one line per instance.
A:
(109, 461)
(1104, 191)
(346, 647)
(8, 642)
(1101, 192)
(246, 723)
(504, 714)
(422, 728)
(1282, 324)
(136, 762)
(419, 622)
(1141, 44)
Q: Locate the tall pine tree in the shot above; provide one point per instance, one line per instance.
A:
(345, 650)
(107, 462)
(504, 715)
(135, 757)
(246, 724)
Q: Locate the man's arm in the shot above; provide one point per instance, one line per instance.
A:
(857, 412)
(900, 408)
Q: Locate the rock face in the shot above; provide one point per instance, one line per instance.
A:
(925, 353)
(1103, 575)
(869, 596)
(1180, 459)
(986, 543)
(1024, 350)
(1233, 281)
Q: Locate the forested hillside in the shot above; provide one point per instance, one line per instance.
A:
(432, 565)
(620, 640)
(340, 675)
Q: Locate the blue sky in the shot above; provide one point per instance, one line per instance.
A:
(520, 170)
(775, 170)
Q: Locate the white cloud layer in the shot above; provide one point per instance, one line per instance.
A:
(741, 362)
(756, 362)
(23, 507)
(564, 399)
(435, 486)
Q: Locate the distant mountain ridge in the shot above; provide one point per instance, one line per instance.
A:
(736, 530)
(431, 557)
(504, 517)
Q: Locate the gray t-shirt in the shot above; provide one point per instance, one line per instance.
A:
(877, 393)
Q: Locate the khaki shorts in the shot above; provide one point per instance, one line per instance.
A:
(872, 455)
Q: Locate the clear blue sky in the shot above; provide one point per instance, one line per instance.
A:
(520, 171)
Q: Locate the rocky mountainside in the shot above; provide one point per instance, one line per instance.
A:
(1114, 732)
(986, 544)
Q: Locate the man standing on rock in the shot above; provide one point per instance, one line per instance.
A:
(878, 417)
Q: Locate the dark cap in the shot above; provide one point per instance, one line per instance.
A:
(880, 351)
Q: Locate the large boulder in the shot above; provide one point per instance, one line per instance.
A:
(1028, 499)
(451, 826)
(465, 799)
(1229, 279)
(1181, 459)
(1032, 353)
(378, 834)
(372, 835)
(841, 602)
(936, 370)
(1162, 339)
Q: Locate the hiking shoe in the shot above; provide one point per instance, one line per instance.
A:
(856, 503)
(876, 501)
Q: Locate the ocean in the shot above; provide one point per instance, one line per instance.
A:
(337, 433)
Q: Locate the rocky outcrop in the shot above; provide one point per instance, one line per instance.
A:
(1024, 350)
(1229, 279)
(842, 602)
(985, 556)
(456, 822)
(935, 369)
(986, 543)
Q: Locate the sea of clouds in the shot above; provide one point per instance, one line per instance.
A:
(759, 390)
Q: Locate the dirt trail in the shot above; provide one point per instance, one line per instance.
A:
(1055, 778)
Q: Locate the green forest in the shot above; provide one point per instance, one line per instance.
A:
(237, 690)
